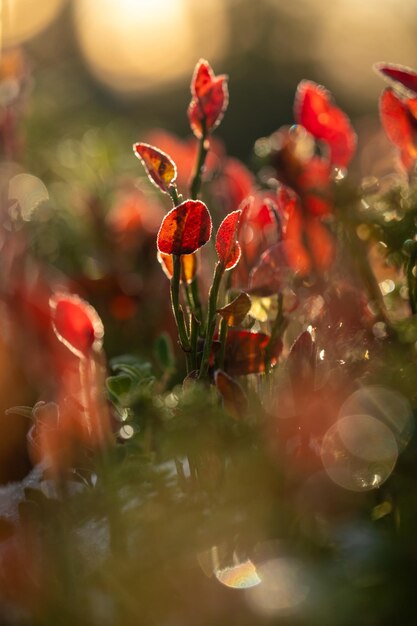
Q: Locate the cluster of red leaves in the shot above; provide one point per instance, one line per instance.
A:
(210, 98)
(398, 110)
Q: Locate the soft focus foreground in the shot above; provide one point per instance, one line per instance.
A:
(208, 371)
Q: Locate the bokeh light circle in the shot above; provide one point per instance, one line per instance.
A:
(388, 406)
(359, 452)
(23, 19)
(283, 587)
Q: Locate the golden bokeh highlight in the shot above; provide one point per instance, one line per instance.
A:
(136, 45)
(23, 19)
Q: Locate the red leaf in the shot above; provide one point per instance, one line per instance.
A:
(397, 75)
(203, 75)
(185, 228)
(313, 109)
(234, 398)
(76, 323)
(245, 352)
(235, 312)
(228, 248)
(160, 168)
(400, 124)
(268, 276)
(210, 99)
(188, 266)
(320, 242)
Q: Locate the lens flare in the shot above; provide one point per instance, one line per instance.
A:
(283, 587)
(359, 452)
(388, 406)
(240, 576)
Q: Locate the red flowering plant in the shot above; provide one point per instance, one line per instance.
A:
(285, 394)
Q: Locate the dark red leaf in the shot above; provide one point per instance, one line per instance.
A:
(185, 228)
(268, 276)
(234, 398)
(398, 75)
(314, 109)
(160, 168)
(398, 118)
(76, 323)
(227, 246)
(235, 312)
(245, 352)
(210, 99)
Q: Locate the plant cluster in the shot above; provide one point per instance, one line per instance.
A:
(261, 468)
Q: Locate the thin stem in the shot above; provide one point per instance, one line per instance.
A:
(278, 327)
(411, 282)
(224, 328)
(176, 307)
(203, 149)
(211, 318)
(175, 197)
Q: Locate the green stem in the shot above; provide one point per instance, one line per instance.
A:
(175, 197)
(411, 282)
(176, 307)
(222, 337)
(203, 149)
(196, 300)
(278, 327)
(211, 318)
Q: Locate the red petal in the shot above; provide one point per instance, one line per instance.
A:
(315, 111)
(228, 248)
(160, 168)
(202, 76)
(398, 75)
(399, 124)
(185, 228)
(76, 323)
(245, 352)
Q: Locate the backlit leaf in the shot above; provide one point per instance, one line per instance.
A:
(400, 124)
(245, 352)
(268, 275)
(235, 312)
(210, 99)
(227, 246)
(398, 75)
(314, 109)
(76, 323)
(160, 168)
(185, 228)
(188, 266)
(234, 398)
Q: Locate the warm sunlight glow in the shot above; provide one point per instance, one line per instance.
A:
(141, 44)
(23, 19)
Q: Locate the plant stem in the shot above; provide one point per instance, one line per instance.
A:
(278, 327)
(411, 283)
(175, 197)
(203, 149)
(176, 307)
(211, 318)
